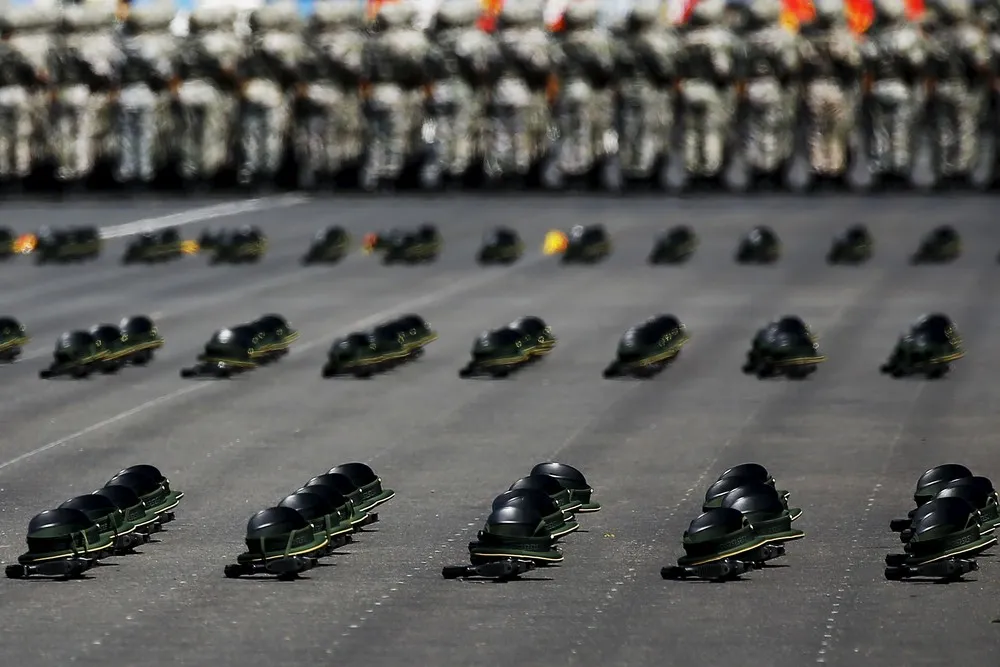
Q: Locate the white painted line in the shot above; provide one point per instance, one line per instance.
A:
(201, 214)
(467, 285)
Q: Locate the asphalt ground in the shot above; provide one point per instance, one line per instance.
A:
(848, 443)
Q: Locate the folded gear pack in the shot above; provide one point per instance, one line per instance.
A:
(280, 542)
(62, 543)
(719, 545)
(514, 540)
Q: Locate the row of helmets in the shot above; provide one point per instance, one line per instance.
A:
(67, 541)
(310, 523)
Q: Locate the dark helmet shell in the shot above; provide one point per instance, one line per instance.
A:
(10, 326)
(137, 325)
(754, 498)
(273, 324)
(977, 491)
(753, 471)
(312, 506)
(715, 524)
(550, 485)
(360, 474)
(941, 516)
(340, 483)
(679, 233)
(568, 476)
(274, 522)
(98, 509)
(936, 478)
(535, 499)
(122, 496)
(145, 469)
(59, 521)
(106, 333)
(73, 341)
(515, 521)
(138, 482)
(530, 325)
(333, 497)
(722, 487)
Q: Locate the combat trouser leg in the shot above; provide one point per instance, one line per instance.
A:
(252, 129)
(461, 138)
(718, 118)
(16, 128)
(6, 142)
(127, 138)
(275, 123)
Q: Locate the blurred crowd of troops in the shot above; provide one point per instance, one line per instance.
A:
(734, 94)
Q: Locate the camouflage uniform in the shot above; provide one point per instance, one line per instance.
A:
(709, 65)
(645, 62)
(831, 65)
(206, 68)
(585, 111)
(394, 65)
(22, 88)
(267, 73)
(770, 100)
(146, 71)
(464, 63)
(82, 68)
(894, 56)
(520, 97)
(330, 128)
(959, 64)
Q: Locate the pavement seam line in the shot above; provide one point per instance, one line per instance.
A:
(181, 218)
(826, 644)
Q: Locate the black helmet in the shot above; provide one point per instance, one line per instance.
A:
(552, 487)
(719, 533)
(530, 325)
(344, 508)
(978, 492)
(370, 484)
(935, 479)
(9, 326)
(281, 531)
(761, 234)
(946, 527)
(944, 233)
(62, 533)
(753, 471)
(679, 233)
(721, 488)
(514, 531)
(104, 513)
(128, 502)
(556, 521)
(106, 334)
(341, 484)
(149, 471)
(857, 232)
(572, 480)
(152, 493)
(137, 325)
(274, 325)
(767, 513)
(313, 507)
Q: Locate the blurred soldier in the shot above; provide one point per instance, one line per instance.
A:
(464, 64)
(831, 65)
(585, 66)
(394, 65)
(329, 122)
(959, 67)
(146, 72)
(646, 60)
(268, 73)
(520, 98)
(83, 67)
(709, 67)
(894, 55)
(205, 92)
(771, 93)
(22, 88)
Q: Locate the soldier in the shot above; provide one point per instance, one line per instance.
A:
(771, 93)
(205, 92)
(22, 88)
(145, 74)
(646, 60)
(394, 63)
(267, 74)
(585, 66)
(83, 63)
(464, 64)
(329, 128)
(894, 56)
(709, 67)
(831, 67)
(959, 67)
(521, 95)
